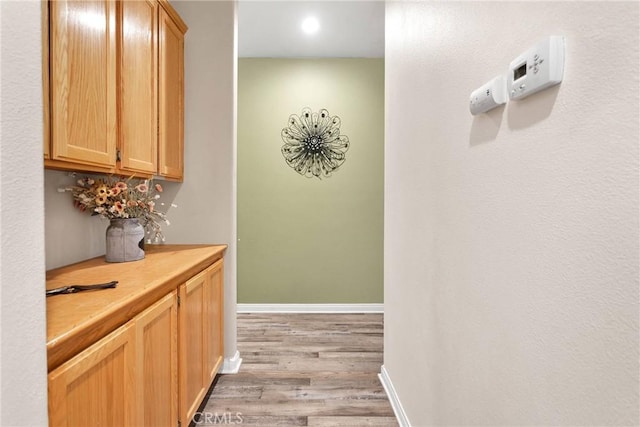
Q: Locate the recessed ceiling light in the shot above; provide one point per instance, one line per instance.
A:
(310, 25)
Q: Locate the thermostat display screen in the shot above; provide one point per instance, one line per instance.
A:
(520, 71)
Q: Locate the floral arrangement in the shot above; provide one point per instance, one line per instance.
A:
(112, 198)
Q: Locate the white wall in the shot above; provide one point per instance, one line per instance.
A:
(70, 235)
(206, 211)
(511, 239)
(23, 363)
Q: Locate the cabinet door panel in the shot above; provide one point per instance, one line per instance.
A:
(157, 363)
(193, 368)
(97, 387)
(215, 320)
(83, 81)
(171, 98)
(138, 67)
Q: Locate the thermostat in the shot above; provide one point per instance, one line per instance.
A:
(537, 69)
(488, 96)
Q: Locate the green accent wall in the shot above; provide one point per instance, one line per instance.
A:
(306, 240)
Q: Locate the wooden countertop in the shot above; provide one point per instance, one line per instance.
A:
(75, 321)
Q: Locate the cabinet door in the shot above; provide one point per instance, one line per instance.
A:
(83, 81)
(192, 361)
(171, 98)
(97, 387)
(138, 65)
(214, 327)
(157, 363)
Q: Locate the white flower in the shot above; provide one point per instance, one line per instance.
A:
(157, 196)
(173, 205)
(166, 221)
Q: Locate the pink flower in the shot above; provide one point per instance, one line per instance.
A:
(80, 206)
(115, 191)
(121, 185)
(118, 206)
(159, 188)
(143, 188)
(151, 206)
(132, 203)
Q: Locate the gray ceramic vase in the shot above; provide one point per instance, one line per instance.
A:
(125, 240)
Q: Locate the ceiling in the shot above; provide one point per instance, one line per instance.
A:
(272, 29)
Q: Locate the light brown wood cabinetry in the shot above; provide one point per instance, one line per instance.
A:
(138, 65)
(192, 344)
(83, 82)
(114, 81)
(136, 355)
(214, 295)
(157, 363)
(201, 338)
(97, 387)
(171, 95)
(128, 378)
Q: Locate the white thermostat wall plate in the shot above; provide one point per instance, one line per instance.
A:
(488, 96)
(538, 68)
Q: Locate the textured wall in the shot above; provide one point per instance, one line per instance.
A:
(511, 239)
(23, 363)
(70, 235)
(305, 240)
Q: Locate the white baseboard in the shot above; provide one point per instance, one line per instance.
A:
(401, 416)
(231, 365)
(310, 308)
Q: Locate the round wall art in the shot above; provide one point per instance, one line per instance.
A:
(313, 145)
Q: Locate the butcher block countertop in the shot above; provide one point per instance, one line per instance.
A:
(75, 321)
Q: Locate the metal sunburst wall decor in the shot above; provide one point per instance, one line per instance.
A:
(313, 145)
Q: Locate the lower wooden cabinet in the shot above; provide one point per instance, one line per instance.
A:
(98, 386)
(192, 333)
(154, 370)
(214, 295)
(157, 363)
(201, 340)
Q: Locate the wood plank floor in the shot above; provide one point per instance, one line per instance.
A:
(304, 370)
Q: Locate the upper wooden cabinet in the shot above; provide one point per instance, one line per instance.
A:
(138, 65)
(83, 82)
(171, 94)
(114, 87)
